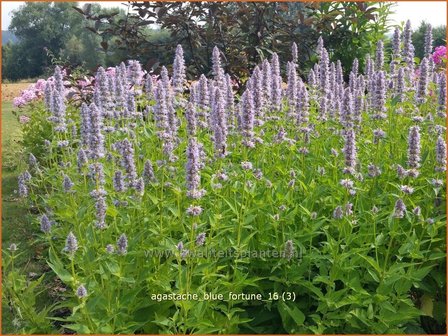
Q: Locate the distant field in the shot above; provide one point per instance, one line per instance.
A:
(9, 91)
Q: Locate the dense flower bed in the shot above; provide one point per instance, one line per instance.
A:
(324, 198)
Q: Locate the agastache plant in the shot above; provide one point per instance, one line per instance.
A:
(428, 41)
(154, 170)
(218, 72)
(219, 125)
(441, 154)
(276, 82)
(414, 147)
(441, 109)
(247, 118)
(193, 179)
(179, 76)
(96, 138)
(350, 152)
(422, 86)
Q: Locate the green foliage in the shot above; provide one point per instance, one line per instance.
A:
(244, 32)
(247, 32)
(351, 29)
(363, 273)
(49, 32)
(36, 131)
(23, 295)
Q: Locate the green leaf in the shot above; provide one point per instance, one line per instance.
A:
(58, 268)
(292, 317)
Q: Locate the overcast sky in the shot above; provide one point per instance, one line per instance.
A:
(433, 12)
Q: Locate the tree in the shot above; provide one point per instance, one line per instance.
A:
(56, 29)
(418, 38)
(42, 26)
(352, 29)
(247, 32)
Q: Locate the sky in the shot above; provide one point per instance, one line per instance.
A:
(433, 12)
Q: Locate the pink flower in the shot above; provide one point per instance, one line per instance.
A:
(28, 95)
(439, 54)
(23, 119)
(40, 85)
(110, 71)
(83, 83)
(18, 102)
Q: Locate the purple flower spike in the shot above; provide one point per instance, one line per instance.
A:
(71, 243)
(441, 154)
(122, 244)
(179, 77)
(193, 177)
(219, 125)
(414, 147)
(276, 82)
(422, 86)
(400, 209)
(428, 41)
(379, 58)
(200, 239)
(148, 172)
(96, 138)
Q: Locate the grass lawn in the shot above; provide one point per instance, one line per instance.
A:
(17, 225)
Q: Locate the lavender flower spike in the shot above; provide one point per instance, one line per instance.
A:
(139, 186)
(58, 81)
(82, 159)
(338, 213)
(379, 57)
(67, 184)
(119, 185)
(219, 125)
(71, 243)
(414, 147)
(122, 244)
(96, 138)
(193, 177)
(396, 41)
(190, 115)
(422, 87)
(276, 82)
(200, 239)
(408, 48)
(380, 94)
(247, 117)
(45, 224)
(32, 161)
(194, 210)
(442, 96)
(23, 188)
(81, 292)
(400, 209)
(350, 151)
(441, 154)
(85, 124)
(179, 77)
(294, 52)
(128, 163)
(148, 172)
(100, 207)
(428, 41)
(289, 250)
(217, 70)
